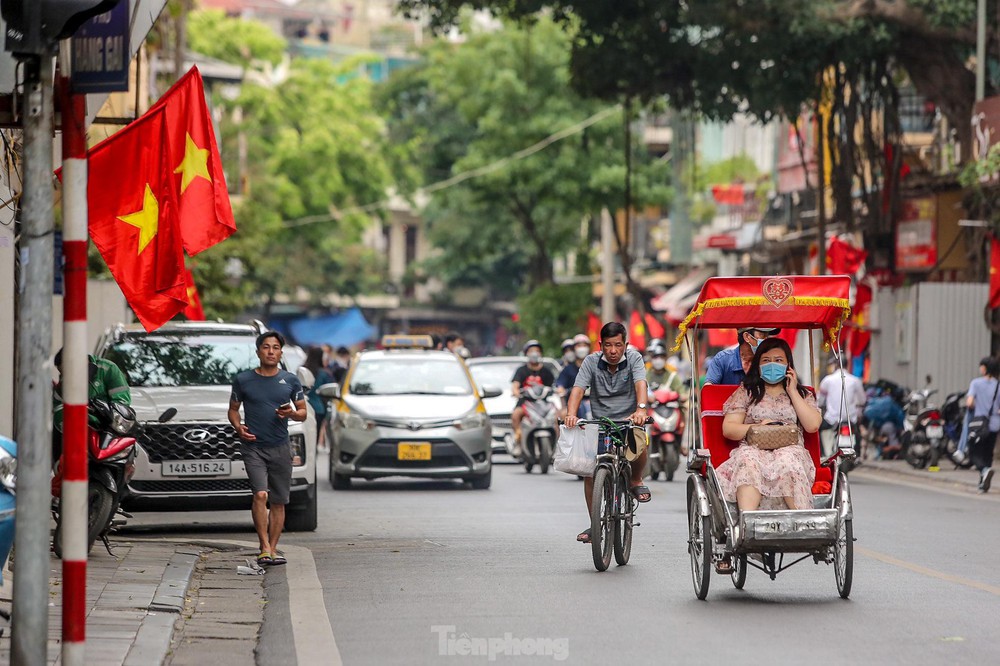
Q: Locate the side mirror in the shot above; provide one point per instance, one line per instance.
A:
(306, 377)
(490, 391)
(170, 413)
(329, 391)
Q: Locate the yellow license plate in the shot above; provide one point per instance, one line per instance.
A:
(414, 451)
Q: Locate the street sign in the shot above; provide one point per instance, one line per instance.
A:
(101, 53)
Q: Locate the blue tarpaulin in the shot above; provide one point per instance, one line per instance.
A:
(342, 329)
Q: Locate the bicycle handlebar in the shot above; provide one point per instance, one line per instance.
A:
(582, 422)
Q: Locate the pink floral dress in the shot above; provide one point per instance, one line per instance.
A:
(785, 472)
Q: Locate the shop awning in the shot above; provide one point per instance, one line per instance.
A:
(342, 329)
(677, 301)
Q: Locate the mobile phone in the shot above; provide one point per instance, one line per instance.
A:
(285, 405)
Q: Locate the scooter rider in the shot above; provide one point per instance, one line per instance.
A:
(566, 378)
(104, 380)
(568, 357)
(532, 373)
(659, 374)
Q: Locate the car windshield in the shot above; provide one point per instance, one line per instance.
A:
(421, 376)
(494, 374)
(183, 360)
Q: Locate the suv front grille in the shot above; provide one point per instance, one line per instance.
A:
(166, 441)
(191, 486)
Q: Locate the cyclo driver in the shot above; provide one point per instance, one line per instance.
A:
(616, 377)
(532, 373)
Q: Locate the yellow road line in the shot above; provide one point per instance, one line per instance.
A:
(933, 573)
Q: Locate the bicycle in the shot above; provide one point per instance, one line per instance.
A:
(613, 508)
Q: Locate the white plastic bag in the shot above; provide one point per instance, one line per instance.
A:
(576, 450)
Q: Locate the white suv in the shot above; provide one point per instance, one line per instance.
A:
(193, 461)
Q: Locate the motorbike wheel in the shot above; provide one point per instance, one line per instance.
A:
(100, 511)
(544, 454)
(935, 456)
(673, 461)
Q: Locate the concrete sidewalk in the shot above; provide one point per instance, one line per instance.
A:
(138, 598)
(957, 479)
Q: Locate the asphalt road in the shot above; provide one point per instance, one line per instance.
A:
(411, 568)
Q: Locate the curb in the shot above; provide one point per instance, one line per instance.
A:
(912, 475)
(169, 595)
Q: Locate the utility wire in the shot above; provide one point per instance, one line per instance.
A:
(466, 175)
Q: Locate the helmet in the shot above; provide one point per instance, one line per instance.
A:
(656, 350)
(567, 344)
(655, 342)
(581, 339)
(529, 344)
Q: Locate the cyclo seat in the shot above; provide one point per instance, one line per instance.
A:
(713, 397)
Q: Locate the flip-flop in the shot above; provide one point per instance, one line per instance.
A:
(584, 536)
(277, 559)
(637, 491)
(265, 559)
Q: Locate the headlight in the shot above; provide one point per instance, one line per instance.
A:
(297, 443)
(355, 422)
(122, 419)
(8, 470)
(473, 421)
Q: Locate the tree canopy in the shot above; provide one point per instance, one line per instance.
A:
(500, 105)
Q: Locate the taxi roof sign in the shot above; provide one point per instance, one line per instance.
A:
(400, 341)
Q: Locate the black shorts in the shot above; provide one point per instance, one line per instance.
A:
(269, 468)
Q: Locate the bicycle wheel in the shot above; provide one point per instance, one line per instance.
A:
(623, 520)
(700, 548)
(843, 558)
(601, 521)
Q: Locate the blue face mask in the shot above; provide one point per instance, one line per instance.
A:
(773, 373)
(755, 342)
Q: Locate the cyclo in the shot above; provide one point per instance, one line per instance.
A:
(762, 539)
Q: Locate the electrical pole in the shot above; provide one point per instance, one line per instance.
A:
(980, 50)
(30, 618)
(607, 267)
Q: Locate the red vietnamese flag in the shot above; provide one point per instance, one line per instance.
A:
(194, 310)
(206, 216)
(133, 220)
(994, 301)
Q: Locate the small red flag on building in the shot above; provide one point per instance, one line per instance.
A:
(994, 273)
(133, 220)
(194, 310)
(206, 215)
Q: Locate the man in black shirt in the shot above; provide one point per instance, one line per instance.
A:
(532, 373)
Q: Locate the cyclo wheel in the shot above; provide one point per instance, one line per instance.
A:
(739, 574)
(700, 548)
(843, 558)
(623, 522)
(601, 521)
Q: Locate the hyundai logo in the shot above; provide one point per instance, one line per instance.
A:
(197, 435)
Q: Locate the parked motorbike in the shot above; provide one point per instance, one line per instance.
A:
(666, 434)
(111, 464)
(538, 428)
(953, 412)
(8, 480)
(923, 436)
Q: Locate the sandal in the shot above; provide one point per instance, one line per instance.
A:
(584, 536)
(265, 558)
(724, 566)
(277, 559)
(639, 491)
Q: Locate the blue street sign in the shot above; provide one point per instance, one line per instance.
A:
(100, 53)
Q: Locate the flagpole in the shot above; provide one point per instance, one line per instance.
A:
(73, 504)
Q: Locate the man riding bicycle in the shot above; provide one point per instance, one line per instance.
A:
(616, 378)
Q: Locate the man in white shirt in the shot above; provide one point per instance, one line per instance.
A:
(843, 397)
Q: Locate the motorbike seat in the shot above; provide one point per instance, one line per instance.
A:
(713, 397)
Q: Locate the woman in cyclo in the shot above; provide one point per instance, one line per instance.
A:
(770, 393)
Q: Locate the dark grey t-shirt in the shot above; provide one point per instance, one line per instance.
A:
(612, 395)
(261, 396)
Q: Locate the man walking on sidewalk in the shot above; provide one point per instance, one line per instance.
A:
(269, 396)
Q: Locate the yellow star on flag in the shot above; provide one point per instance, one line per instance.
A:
(147, 220)
(194, 165)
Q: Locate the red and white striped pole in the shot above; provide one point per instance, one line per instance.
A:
(73, 503)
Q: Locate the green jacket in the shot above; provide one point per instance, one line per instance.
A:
(106, 381)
